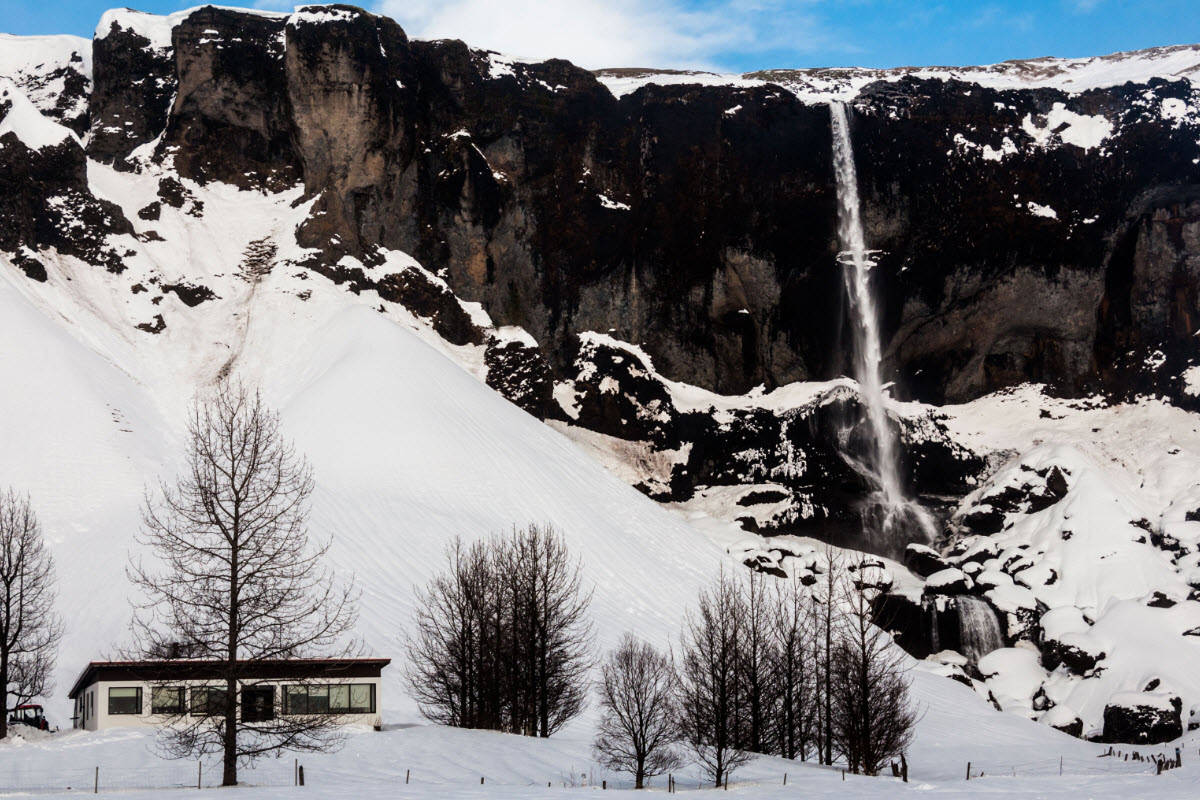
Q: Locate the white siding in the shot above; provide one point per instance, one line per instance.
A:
(95, 716)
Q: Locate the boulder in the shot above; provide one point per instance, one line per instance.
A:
(949, 581)
(1142, 718)
(924, 560)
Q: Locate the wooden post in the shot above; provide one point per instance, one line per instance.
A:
(199, 773)
(96, 787)
(603, 785)
(968, 770)
(481, 780)
(407, 772)
(300, 773)
(785, 779)
(843, 775)
(1060, 766)
(295, 772)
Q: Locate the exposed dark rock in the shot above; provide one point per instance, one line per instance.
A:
(1129, 721)
(1159, 600)
(924, 560)
(151, 212)
(1072, 728)
(32, 267)
(520, 373)
(158, 326)
(426, 298)
(131, 95)
(190, 295)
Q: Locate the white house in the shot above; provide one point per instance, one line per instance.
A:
(123, 694)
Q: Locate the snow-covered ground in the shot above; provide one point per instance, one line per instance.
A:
(1008, 757)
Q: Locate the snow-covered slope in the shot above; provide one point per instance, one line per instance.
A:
(409, 448)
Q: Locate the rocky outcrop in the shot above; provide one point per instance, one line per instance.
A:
(1143, 718)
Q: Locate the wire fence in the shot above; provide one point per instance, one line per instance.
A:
(16, 780)
(1101, 765)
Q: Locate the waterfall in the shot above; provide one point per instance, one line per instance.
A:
(900, 518)
(978, 628)
(856, 264)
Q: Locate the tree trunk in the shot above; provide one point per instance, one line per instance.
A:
(4, 695)
(229, 757)
(229, 775)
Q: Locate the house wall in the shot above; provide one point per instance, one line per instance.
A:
(95, 717)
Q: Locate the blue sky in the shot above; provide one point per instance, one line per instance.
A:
(739, 35)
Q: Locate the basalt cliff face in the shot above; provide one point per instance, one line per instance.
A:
(1026, 234)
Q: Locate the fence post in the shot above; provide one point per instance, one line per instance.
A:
(96, 786)
(968, 770)
(603, 785)
(300, 773)
(785, 779)
(1060, 766)
(481, 780)
(406, 774)
(199, 774)
(295, 772)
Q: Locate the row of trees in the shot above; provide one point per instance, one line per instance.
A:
(502, 638)
(503, 642)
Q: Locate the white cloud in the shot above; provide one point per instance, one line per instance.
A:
(590, 33)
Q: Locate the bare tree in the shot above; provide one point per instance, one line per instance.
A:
(29, 628)
(639, 711)
(239, 580)
(455, 654)
(827, 595)
(755, 691)
(503, 639)
(795, 669)
(874, 719)
(709, 680)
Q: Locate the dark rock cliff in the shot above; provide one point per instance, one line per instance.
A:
(698, 221)
(1024, 235)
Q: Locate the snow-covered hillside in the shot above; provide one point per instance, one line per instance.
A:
(408, 447)
(1076, 523)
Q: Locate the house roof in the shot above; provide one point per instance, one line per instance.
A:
(208, 669)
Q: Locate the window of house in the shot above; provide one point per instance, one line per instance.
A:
(345, 699)
(125, 700)
(166, 700)
(208, 701)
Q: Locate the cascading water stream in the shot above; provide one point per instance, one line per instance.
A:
(901, 520)
(978, 628)
(856, 264)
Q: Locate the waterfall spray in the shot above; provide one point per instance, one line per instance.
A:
(857, 263)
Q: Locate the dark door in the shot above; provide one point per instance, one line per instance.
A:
(258, 705)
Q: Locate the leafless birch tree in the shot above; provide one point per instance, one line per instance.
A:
(29, 628)
(236, 579)
(639, 711)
